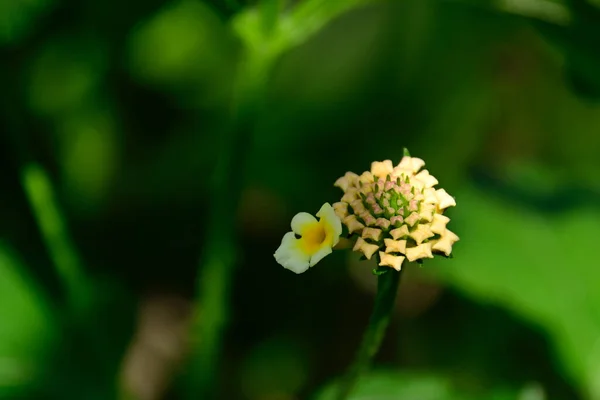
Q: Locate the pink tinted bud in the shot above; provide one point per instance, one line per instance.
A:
(368, 218)
(388, 185)
(396, 220)
(391, 210)
(405, 189)
(377, 209)
(412, 205)
(412, 219)
(382, 223)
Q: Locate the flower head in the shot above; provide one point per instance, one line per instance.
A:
(316, 239)
(396, 213)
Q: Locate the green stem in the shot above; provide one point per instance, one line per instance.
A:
(40, 195)
(45, 208)
(387, 288)
(218, 258)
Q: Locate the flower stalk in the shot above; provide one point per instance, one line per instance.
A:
(218, 258)
(387, 289)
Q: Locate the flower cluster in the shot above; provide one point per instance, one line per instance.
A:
(396, 212)
(392, 212)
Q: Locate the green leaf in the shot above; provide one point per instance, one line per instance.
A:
(395, 385)
(17, 18)
(28, 328)
(269, 38)
(383, 385)
(541, 266)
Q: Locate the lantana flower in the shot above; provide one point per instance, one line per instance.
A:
(310, 240)
(396, 213)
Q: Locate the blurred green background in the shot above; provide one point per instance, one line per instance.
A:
(153, 153)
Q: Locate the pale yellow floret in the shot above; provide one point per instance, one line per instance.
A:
(357, 206)
(383, 223)
(366, 177)
(399, 232)
(427, 211)
(348, 180)
(445, 200)
(418, 252)
(395, 246)
(444, 244)
(350, 196)
(412, 163)
(421, 233)
(366, 248)
(372, 233)
(353, 224)
(439, 223)
(368, 218)
(429, 196)
(381, 169)
(401, 173)
(341, 209)
(412, 219)
(427, 179)
(389, 260)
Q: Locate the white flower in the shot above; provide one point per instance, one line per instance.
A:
(316, 240)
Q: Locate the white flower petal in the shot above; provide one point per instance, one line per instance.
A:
(301, 221)
(327, 214)
(319, 255)
(290, 256)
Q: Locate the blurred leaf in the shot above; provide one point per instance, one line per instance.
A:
(27, 330)
(89, 156)
(291, 29)
(579, 41)
(540, 266)
(551, 11)
(184, 47)
(17, 18)
(390, 385)
(65, 73)
(276, 366)
(383, 385)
